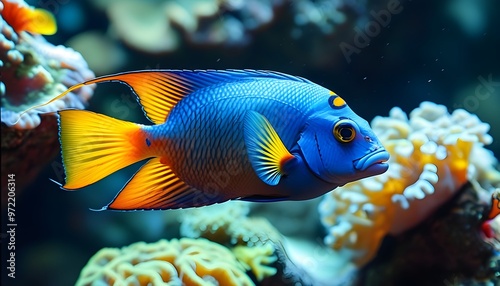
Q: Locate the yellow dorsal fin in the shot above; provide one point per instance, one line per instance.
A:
(160, 90)
(156, 187)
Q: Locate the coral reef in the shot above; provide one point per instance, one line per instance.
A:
(200, 22)
(176, 262)
(272, 258)
(157, 27)
(257, 259)
(433, 154)
(228, 224)
(446, 249)
(23, 17)
(33, 71)
(111, 55)
(323, 14)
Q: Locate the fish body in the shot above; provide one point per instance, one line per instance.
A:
(204, 142)
(221, 135)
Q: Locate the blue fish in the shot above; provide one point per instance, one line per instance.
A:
(218, 136)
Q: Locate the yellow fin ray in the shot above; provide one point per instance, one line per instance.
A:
(155, 187)
(94, 146)
(158, 91)
(266, 151)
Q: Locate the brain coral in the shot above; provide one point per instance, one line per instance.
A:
(253, 238)
(176, 262)
(433, 153)
(229, 224)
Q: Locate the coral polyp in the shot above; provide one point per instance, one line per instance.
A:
(176, 262)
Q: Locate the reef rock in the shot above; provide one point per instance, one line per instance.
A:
(33, 72)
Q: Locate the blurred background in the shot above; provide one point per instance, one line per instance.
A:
(376, 54)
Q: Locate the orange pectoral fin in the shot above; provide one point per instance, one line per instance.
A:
(156, 187)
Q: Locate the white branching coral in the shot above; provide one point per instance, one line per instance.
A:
(433, 153)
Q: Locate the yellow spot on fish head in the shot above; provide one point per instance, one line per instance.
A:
(336, 101)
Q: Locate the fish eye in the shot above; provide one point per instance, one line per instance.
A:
(344, 131)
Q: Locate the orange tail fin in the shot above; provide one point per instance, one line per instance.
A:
(94, 146)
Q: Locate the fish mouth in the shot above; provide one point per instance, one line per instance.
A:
(376, 161)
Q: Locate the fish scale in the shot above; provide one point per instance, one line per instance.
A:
(214, 121)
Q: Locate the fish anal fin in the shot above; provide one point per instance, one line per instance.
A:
(267, 153)
(156, 187)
